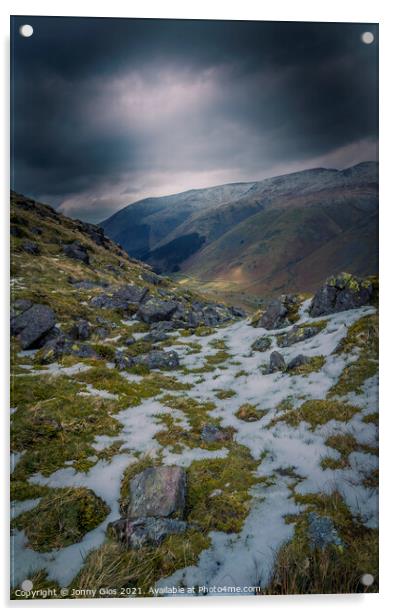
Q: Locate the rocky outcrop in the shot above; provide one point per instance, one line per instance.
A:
(342, 292)
(278, 313)
(156, 310)
(125, 298)
(77, 251)
(32, 324)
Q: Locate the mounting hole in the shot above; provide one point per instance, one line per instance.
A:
(27, 585)
(367, 38)
(367, 579)
(26, 30)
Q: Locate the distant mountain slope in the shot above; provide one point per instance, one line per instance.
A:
(286, 233)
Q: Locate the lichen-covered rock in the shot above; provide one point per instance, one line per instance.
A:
(136, 533)
(159, 360)
(32, 325)
(297, 334)
(158, 491)
(262, 344)
(322, 532)
(156, 310)
(342, 292)
(77, 251)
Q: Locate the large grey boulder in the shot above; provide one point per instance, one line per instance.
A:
(342, 292)
(32, 325)
(136, 533)
(156, 310)
(158, 491)
(77, 251)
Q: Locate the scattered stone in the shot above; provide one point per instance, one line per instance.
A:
(211, 434)
(77, 251)
(299, 360)
(156, 310)
(95, 233)
(30, 247)
(297, 334)
(19, 306)
(81, 330)
(87, 284)
(155, 336)
(277, 362)
(101, 333)
(322, 532)
(123, 361)
(237, 312)
(151, 278)
(159, 360)
(342, 292)
(262, 344)
(136, 533)
(158, 491)
(32, 325)
(129, 341)
(62, 345)
(125, 298)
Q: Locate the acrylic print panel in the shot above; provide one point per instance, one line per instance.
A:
(194, 308)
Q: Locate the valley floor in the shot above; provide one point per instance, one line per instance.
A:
(296, 458)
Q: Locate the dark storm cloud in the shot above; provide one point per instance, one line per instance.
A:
(106, 111)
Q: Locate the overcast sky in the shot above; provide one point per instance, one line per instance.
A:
(108, 111)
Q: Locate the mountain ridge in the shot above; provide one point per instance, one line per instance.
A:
(285, 218)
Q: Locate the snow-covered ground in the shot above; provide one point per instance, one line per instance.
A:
(245, 558)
